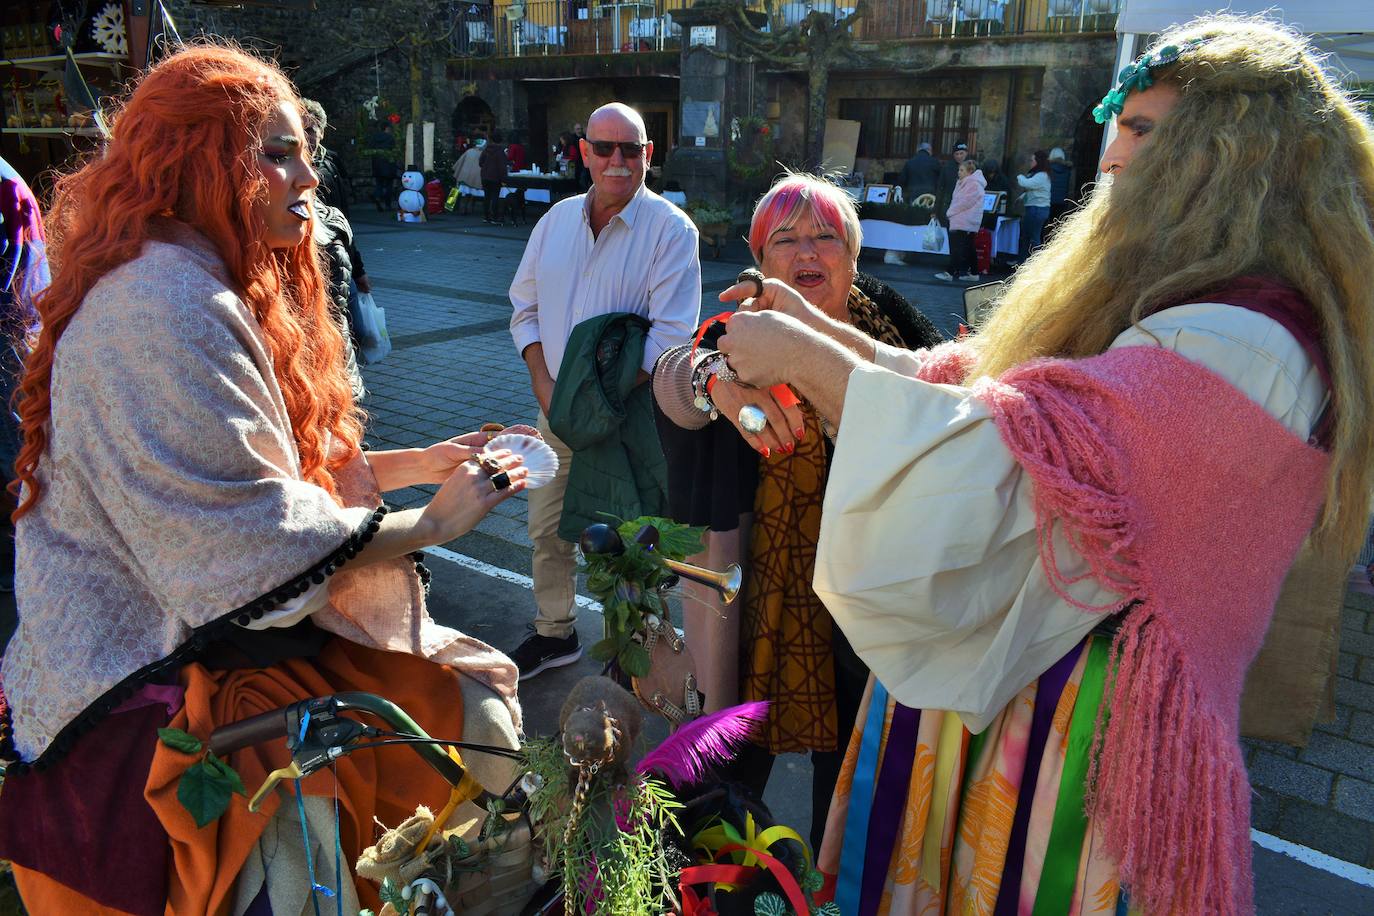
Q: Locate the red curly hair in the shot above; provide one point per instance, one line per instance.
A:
(184, 144)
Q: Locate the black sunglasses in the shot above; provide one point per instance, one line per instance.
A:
(606, 148)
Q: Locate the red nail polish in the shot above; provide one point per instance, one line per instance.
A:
(800, 433)
(765, 452)
(788, 448)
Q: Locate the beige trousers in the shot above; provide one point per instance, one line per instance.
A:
(555, 569)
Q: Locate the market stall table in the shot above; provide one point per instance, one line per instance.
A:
(541, 187)
(880, 233)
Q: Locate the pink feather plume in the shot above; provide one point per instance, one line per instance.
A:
(684, 758)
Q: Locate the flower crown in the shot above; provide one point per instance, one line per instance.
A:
(1137, 78)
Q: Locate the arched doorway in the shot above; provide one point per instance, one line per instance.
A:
(1087, 152)
(473, 116)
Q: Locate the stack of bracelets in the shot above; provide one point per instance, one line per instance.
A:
(708, 366)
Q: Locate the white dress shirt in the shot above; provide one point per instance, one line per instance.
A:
(928, 557)
(645, 261)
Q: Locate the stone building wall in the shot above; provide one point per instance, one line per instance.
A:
(1020, 109)
(328, 51)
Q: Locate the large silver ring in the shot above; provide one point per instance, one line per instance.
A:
(754, 274)
(752, 419)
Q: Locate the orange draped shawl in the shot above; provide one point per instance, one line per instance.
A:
(385, 784)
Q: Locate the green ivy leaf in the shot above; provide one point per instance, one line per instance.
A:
(828, 909)
(604, 650)
(179, 740)
(390, 892)
(204, 791)
(459, 847)
(812, 881)
(600, 581)
(228, 773)
(635, 660)
(675, 540)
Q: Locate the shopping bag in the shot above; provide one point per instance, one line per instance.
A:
(933, 237)
(369, 323)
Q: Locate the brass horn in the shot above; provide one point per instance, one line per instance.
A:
(727, 581)
(601, 538)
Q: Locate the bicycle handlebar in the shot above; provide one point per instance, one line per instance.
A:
(237, 735)
(282, 723)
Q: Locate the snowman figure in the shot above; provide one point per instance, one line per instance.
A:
(412, 200)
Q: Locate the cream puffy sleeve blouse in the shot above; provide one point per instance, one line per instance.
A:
(928, 558)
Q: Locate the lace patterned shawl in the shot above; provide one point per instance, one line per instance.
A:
(173, 507)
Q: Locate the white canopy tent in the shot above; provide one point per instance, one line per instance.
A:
(1343, 28)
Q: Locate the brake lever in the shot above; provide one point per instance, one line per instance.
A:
(291, 771)
(317, 737)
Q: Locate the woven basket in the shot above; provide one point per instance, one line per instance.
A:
(495, 879)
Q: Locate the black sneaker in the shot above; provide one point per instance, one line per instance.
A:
(538, 654)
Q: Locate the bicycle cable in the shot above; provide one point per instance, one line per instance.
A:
(397, 738)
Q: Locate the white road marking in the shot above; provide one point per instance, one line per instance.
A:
(496, 572)
(1348, 871)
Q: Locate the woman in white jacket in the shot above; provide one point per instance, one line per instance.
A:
(1037, 212)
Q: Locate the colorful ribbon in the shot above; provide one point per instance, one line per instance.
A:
(1065, 847)
(893, 786)
(749, 849)
(854, 847)
(721, 875)
(949, 754)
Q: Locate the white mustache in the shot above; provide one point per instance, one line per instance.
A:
(616, 172)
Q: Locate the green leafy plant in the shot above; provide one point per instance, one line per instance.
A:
(616, 861)
(369, 115)
(704, 214)
(751, 153)
(627, 585)
(207, 785)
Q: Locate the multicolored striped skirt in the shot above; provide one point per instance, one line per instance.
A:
(930, 819)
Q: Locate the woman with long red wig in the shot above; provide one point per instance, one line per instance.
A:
(200, 537)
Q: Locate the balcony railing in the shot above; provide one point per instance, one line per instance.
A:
(548, 27)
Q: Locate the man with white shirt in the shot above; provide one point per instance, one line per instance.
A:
(618, 248)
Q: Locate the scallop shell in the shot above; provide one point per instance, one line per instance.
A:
(540, 459)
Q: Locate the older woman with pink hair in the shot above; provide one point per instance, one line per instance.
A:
(750, 465)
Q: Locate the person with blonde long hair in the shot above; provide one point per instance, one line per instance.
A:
(1058, 544)
(200, 537)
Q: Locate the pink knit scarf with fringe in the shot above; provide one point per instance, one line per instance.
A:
(1190, 500)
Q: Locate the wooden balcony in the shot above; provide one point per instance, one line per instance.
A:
(555, 27)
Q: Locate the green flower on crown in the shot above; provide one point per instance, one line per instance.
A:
(1137, 78)
(1110, 106)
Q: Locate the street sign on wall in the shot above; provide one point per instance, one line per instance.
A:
(702, 35)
